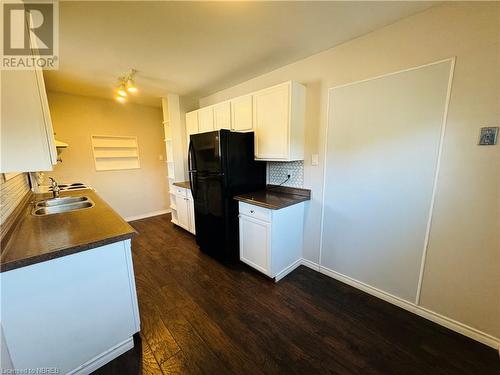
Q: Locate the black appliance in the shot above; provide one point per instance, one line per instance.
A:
(221, 165)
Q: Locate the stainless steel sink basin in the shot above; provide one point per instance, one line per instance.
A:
(59, 201)
(61, 208)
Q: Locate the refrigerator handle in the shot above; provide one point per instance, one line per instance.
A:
(191, 159)
(192, 169)
(193, 183)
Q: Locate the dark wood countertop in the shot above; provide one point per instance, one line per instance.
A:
(275, 197)
(37, 239)
(183, 184)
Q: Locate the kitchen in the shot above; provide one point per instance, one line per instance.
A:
(315, 210)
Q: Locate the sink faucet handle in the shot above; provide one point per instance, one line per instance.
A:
(55, 188)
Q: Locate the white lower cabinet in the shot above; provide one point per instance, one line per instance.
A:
(70, 314)
(271, 240)
(182, 212)
(190, 207)
(185, 209)
(255, 243)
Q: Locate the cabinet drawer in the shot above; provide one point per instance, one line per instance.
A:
(180, 191)
(256, 212)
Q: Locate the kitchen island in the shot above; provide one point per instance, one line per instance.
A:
(68, 298)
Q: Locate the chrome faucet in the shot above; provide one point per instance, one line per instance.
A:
(55, 188)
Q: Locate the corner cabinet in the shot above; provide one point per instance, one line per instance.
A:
(271, 240)
(276, 115)
(27, 142)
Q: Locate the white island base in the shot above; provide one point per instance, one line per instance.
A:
(71, 314)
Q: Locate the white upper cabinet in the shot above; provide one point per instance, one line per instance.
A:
(241, 113)
(206, 120)
(278, 118)
(27, 142)
(222, 116)
(191, 124)
(275, 114)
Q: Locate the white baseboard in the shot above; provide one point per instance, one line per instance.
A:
(103, 358)
(287, 270)
(148, 214)
(442, 320)
(311, 265)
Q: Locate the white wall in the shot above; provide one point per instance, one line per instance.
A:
(462, 274)
(133, 192)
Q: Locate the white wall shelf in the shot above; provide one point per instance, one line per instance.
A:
(115, 152)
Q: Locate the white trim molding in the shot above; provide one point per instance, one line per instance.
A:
(435, 183)
(148, 214)
(312, 265)
(435, 317)
(287, 270)
(103, 358)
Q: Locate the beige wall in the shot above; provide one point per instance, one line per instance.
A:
(130, 192)
(462, 273)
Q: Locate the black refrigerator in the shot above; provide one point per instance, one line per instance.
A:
(221, 165)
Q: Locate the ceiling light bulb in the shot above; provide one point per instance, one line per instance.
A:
(131, 87)
(120, 99)
(122, 91)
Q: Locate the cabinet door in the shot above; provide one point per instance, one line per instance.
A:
(255, 243)
(271, 123)
(206, 120)
(191, 124)
(182, 212)
(241, 113)
(190, 207)
(222, 116)
(27, 142)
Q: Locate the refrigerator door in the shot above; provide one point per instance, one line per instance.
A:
(205, 153)
(209, 207)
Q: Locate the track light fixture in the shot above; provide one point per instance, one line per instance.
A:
(126, 85)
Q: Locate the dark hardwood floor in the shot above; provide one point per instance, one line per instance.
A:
(199, 316)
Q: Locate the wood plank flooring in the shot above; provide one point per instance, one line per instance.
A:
(201, 317)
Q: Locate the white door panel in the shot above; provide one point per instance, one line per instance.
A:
(383, 141)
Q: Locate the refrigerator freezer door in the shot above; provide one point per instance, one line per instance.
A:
(205, 152)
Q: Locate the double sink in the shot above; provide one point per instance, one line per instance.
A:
(60, 205)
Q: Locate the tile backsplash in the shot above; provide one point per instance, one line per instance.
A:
(277, 172)
(12, 192)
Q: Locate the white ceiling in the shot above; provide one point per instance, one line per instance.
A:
(197, 48)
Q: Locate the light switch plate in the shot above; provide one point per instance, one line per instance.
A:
(488, 136)
(314, 159)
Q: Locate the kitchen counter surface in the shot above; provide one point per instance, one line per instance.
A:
(40, 238)
(275, 197)
(183, 184)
